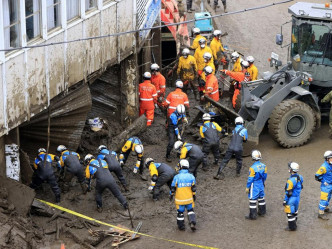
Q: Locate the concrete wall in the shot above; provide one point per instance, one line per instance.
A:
(29, 78)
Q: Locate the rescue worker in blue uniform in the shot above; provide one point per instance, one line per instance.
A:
(113, 164)
(293, 190)
(240, 135)
(184, 188)
(210, 133)
(192, 153)
(133, 144)
(324, 175)
(43, 172)
(161, 173)
(70, 166)
(176, 120)
(255, 186)
(99, 169)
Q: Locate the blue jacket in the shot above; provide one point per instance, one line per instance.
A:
(257, 173)
(324, 173)
(175, 119)
(293, 186)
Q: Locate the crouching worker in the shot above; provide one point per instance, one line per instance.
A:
(293, 190)
(70, 166)
(184, 189)
(99, 169)
(113, 164)
(133, 144)
(43, 172)
(161, 174)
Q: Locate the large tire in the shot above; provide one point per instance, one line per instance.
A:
(291, 123)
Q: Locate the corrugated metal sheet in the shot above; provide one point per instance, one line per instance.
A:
(68, 116)
(141, 13)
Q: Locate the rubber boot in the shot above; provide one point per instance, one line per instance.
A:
(291, 223)
(327, 210)
(216, 161)
(168, 158)
(180, 221)
(252, 214)
(192, 219)
(99, 209)
(261, 207)
(84, 187)
(219, 176)
(57, 199)
(322, 215)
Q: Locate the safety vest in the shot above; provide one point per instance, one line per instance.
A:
(212, 87)
(187, 68)
(147, 95)
(176, 98)
(199, 57)
(159, 82)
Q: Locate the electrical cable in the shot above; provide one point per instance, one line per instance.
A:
(144, 29)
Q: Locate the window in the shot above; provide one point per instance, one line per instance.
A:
(73, 7)
(11, 22)
(90, 4)
(53, 14)
(32, 17)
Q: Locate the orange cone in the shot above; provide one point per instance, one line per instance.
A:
(62, 246)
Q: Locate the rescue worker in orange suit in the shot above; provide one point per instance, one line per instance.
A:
(211, 85)
(217, 50)
(161, 174)
(192, 153)
(113, 164)
(252, 69)
(70, 166)
(210, 133)
(159, 81)
(175, 122)
(43, 172)
(187, 70)
(184, 188)
(97, 168)
(199, 55)
(176, 98)
(147, 98)
(133, 144)
(198, 36)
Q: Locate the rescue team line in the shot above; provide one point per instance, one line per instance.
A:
(110, 225)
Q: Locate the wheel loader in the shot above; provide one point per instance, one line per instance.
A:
(288, 100)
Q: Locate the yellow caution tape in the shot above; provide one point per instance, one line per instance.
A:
(110, 225)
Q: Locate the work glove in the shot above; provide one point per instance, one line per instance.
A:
(284, 203)
(135, 170)
(318, 178)
(326, 184)
(247, 190)
(125, 206)
(155, 105)
(81, 162)
(179, 136)
(223, 71)
(150, 188)
(185, 120)
(56, 158)
(160, 99)
(194, 196)
(171, 197)
(121, 163)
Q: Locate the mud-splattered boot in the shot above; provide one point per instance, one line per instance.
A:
(261, 207)
(180, 221)
(322, 215)
(252, 210)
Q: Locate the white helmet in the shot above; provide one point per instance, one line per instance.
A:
(154, 67)
(239, 120)
(206, 117)
(180, 109)
(235, 55)
(178, 145)
(185, 51)
(148, 161)
(245, 64)
(147, 75)
(293, 166)
(102, 147)
(202, 41)
(196, 31)
(179, 84)
(327, 154)
(61, 148)
(139, 148)
(256, 155)
(207, 56)
(217, 32)
(250, 59)
(88, 158)
(41, 150)
(184, 164)
(208, 70)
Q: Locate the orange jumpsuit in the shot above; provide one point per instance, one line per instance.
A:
(147, 98)
(239, 77)
(176, 98)
(212, 87)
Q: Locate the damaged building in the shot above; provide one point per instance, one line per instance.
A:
(63, 63)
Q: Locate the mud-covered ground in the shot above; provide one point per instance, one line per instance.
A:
(221, 205)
